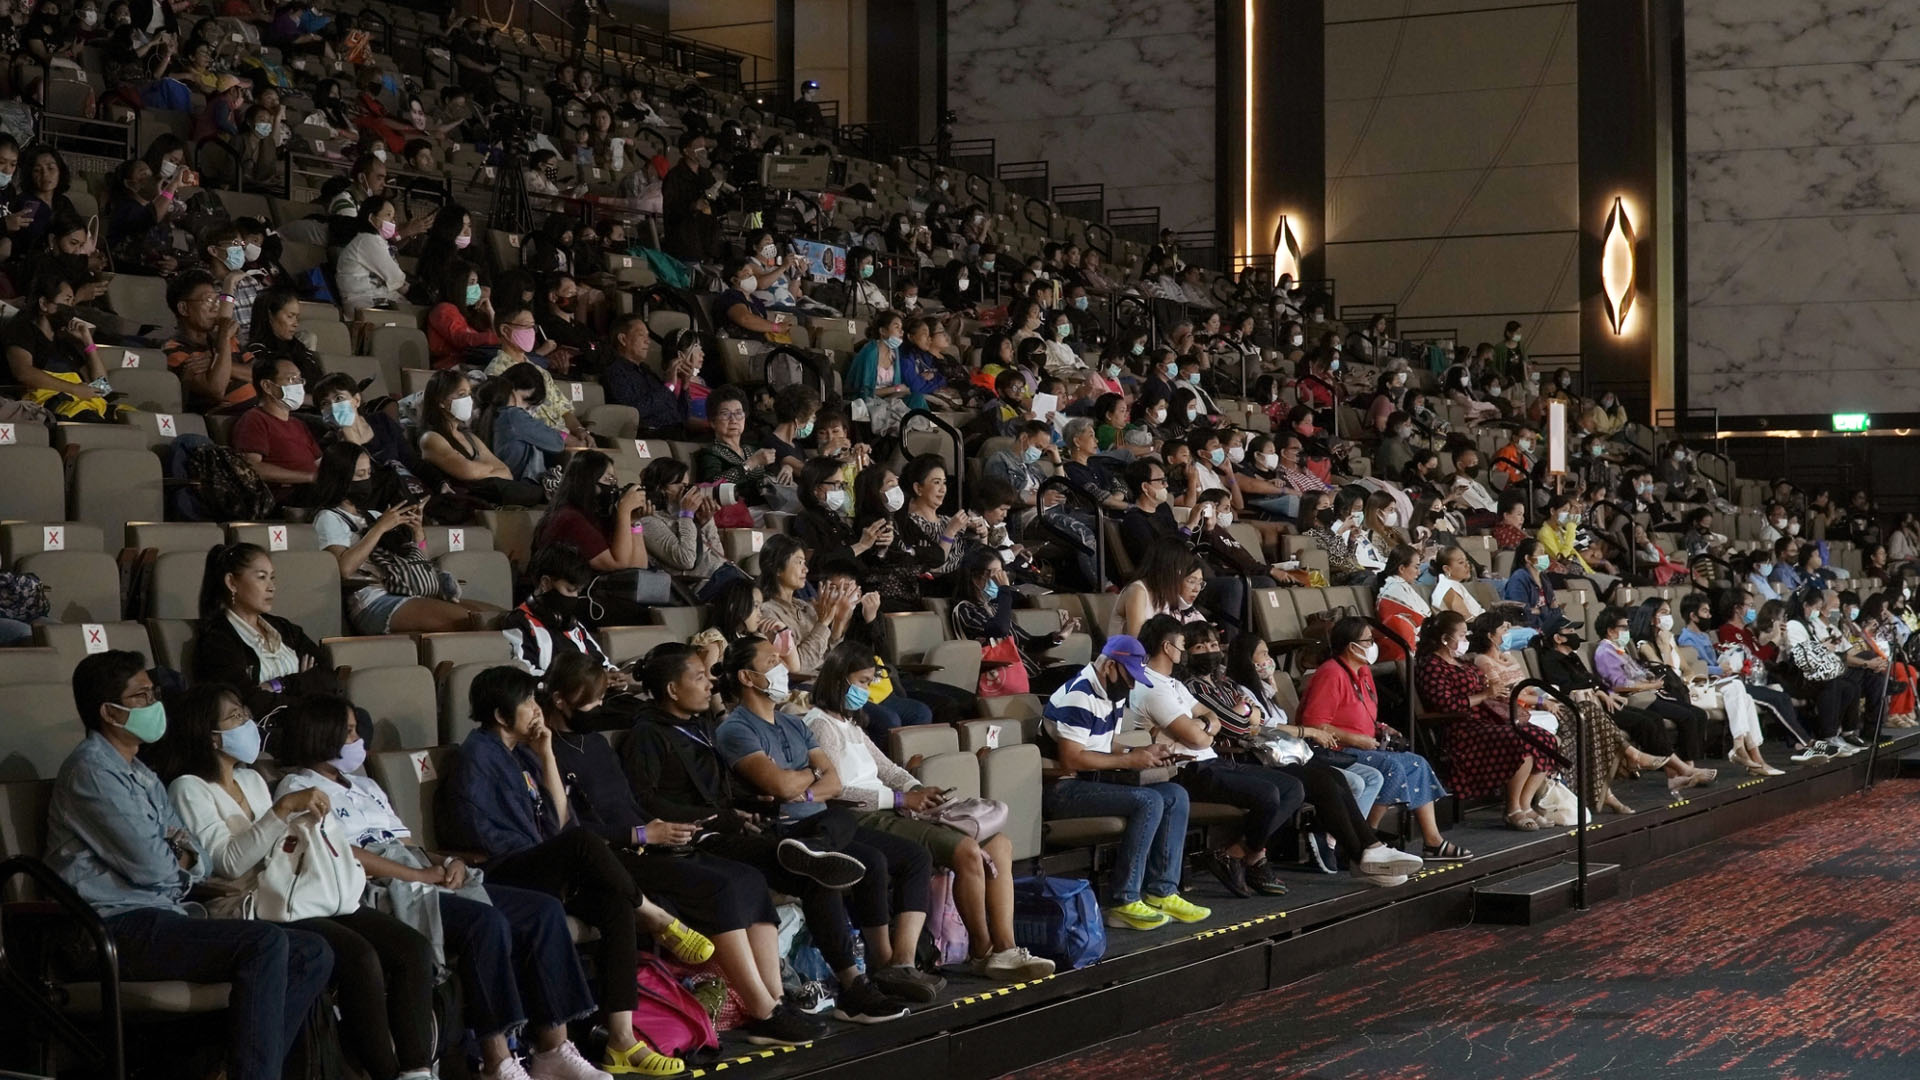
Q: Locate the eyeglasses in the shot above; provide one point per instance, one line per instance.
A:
(138, 697)
(730, 414)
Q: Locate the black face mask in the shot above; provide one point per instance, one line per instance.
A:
(361, 492)
(1118, 689)
(561, 607)
(1205, 663)
(61, 316)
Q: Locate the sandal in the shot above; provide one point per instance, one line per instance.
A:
(1522, 820)
(1447, 851)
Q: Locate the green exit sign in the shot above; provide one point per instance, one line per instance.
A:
(1851, 421)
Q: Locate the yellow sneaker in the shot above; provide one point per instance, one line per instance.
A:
(689, 946)
(1135, 916)
(1176, 908)
(642, 1060)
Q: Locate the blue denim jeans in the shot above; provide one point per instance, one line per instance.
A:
(12, 630)
(517, 946)
(277, 973)
(1366, 782)
(1156, 837)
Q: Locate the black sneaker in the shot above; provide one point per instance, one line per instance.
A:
(784, 1028)
(1855, 739)
(811, 997)
(1324, 853)
(1265, 880)
(834, 869)
(863, 1003)
(1231, 872)
(908, 983)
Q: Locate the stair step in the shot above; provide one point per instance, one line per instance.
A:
(1539, 895)
(1910, 763)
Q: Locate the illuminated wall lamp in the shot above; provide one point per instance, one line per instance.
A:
(1286, 250)
(1616, 265)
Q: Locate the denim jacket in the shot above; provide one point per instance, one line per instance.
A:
(112, 833)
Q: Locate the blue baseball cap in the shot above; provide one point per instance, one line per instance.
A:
(1127, 651)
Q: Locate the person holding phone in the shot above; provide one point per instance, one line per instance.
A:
(889, 800)
(51, 353)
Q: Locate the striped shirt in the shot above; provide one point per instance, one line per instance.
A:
(1081, 712)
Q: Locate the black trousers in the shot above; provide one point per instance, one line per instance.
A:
(1689, 726)
(1831, 700)
(383, 986)
(1335, 811)
(1269, 796)
(711, 894)
(1647, 731)
(825, 909)
(581, 871)
(1873, 694)
(899, 877)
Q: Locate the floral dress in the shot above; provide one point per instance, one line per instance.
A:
(1484, 746)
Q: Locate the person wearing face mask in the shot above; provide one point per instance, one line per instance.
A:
(1677, 473)
(687, 193)
(461, 326)
(114, 836)
(521, 345)
(552, 621)
(522, 442)
(369, 276)
(408, 594)
(1224, 554)
(1490, 750)
(1019, 465)
(775, 753)
(1342, 697)
(1509, 359)
(451, 453)
(205, 349)
(681, 536)
(1529, 588)
(383, 969)
(1515, 461)
(280, 447)
(1607, 416)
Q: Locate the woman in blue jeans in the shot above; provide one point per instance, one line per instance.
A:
(518, 970)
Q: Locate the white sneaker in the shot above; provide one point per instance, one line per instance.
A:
(1013, 965)
(1391, 858)
(563, 1062)
(1385, 881)
(510, 1069)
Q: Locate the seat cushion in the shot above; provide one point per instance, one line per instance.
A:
(1084, 831)
(163, 996)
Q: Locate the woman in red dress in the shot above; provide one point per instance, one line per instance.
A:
(1490, 753)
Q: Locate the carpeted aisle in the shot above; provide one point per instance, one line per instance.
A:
(1792, 954)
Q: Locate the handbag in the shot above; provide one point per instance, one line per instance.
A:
(982, 819)
(310, 874)
(1010, 677)
(406, 573)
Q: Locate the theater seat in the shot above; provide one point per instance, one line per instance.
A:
(20, 538)
(112, 487)
(411, 779)
(1012, 705)
(72, 642)
(455, 719)
(25, 664)
(42, 729)
(377, 651)
(307, 590)
(172, 642)
(169, 996)
(921, 740)
(464, 647)
(36, 487)
(626, 643)
(402, 702)
(961, 772)
(194, 536)
(84, 586)
(987, 734)
(1011, 774)
(444, 538)
(275, 536)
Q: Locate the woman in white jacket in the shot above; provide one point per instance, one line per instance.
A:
(366, 271)
(383, 970)
(889, 794)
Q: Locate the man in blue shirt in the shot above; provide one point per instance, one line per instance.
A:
(113, 835)
(1079, 720)
(661, 403)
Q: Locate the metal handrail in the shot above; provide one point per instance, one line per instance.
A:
(1580, 768)
(959, 481)
(107, 955)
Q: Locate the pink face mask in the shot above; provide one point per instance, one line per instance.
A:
(388, 229)
(462, 241)
(520, 337)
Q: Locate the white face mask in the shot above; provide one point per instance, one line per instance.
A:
(962, 284)
(461, 408)
(1159, 416)
(168, 168)
(1269, 461)
(1357, 518)
(1298, 340)
(1236, 454)
(1460, 647)
(837, 500)
(776, 677)
(1373, 652)
(1793, 529)
(1666, 622)
(895, 499)
(1391, 519)
(749, 283)
(1226, 518)
(767, 252)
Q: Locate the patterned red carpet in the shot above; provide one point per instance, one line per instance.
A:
(1793, 954)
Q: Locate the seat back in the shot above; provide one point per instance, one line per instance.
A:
(411, 779)
(484, 576)
(957, 664)
(275, 536)
(36, 487)
(83, 586)
(921, 740)
(172, 642)
(683, 622)
(910, 635)
(444, 538)
(23, 818)
(454, 716)
(625, 643)
(150, 390)
(194, 536)
(958, 772)
(1011, 774)
(377, 651)
(464, 647)
(19, 538)
(112, 487)
(307, 591)
(42, 729)
(26, 663)
(990, 734)
(74, 641)
(402, 703)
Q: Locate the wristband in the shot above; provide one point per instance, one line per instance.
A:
(637, 528)
(807, 795)
(166, 196)
(686, 513)
(899, 801)
(275, 686)
(93, 349)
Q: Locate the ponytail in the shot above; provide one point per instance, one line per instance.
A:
(223, 560)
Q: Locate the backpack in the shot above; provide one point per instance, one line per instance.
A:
(671, 1020)
(227, 488)
(1060, 919)
(944, 925)
(22, 597)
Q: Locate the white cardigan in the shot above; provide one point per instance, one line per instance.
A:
(867, 776)
(367, 273)
(236, 843)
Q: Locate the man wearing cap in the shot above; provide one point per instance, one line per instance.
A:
(1077, 730)
(807, 116)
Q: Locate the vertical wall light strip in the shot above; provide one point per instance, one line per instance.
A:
(1247, 230)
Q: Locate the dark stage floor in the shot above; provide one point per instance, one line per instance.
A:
(1788, 951)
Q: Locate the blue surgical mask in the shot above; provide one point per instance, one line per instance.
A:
(341, 413)
(1516, 637)
(242, 744)
(1063, 329)
(1194, 378)
(866, 271)
(263, 129)
(1751, 615)
(1173, 370)
(894, 342)
(1541, 562)
(473, 294)
(1217, 455)
(1080, 303)
(1138, 348)
(1032, 454)
(1113, 371)
(857, 698)
(236, 257)
(992, 590)
(805, 432)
